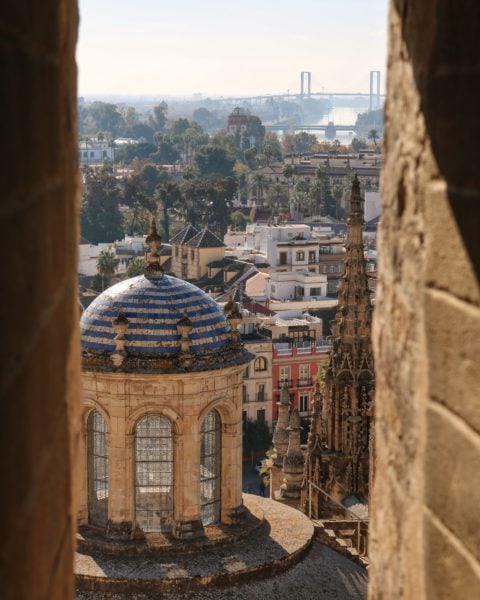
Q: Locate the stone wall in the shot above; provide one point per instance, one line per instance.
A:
(39, 348)
(425, 521)
(183, 398)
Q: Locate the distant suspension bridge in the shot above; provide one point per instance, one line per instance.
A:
(374, 96)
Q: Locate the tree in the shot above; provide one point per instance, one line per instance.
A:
(101, 220)
(329, 202)
(271, 149)
(277, 198)
(207, 120)
(107, 263)
(301, 195)
(298, 143)
(373, 135)
(135, 267)
(256, 438)
(158, 119)
(259, 184)
(212, 161)
(104, 116)
(168, 195)
(238, 220)
(134, 192)
(358, 145)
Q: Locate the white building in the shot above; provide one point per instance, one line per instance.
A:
(87, 258)
(296, 285)
(95, 151)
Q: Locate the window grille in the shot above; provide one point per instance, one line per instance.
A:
(154, 474)
(97, 469)
(210, 458)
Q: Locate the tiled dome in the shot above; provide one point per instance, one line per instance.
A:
(153, 307)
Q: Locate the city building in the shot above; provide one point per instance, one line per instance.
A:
(192, 250)
(298, 353)
(237, 121)
(296, 285)
(94, 151)
(257, 376)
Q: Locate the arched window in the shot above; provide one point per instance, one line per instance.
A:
(97, 469)
(154, 474)
(261, 364)
(210, 465)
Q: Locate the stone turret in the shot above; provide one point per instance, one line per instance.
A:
(280, 435)
(293, 461)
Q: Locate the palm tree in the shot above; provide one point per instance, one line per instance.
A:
(135, 266)
(168, 195)
(107, 263)
(373, 135)
(277, 198)
(259, 185)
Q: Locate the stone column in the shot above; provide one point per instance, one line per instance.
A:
(120, 517)
(188, 524)
(232, 503)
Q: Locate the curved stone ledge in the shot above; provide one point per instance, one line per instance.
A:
(91, 540)
(284, 542)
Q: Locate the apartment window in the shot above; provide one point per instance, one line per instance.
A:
(324, 268)
(261, 415)
(284, 375)
(176, 251)
(261, 392)
(244, 394)
(192, 254)
(311, 257)
(272, 287)
(246, 373)
(283, 258)
(300, 255)
(260, 364)
(315, 291)
(332, 268)
(304, 402)
(304, 374)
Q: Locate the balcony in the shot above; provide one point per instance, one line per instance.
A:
(283, 349)
(289, 382)
(295, 383)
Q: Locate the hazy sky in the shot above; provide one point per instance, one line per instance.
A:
(224, 47)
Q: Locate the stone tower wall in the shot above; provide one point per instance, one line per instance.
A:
(426, 522)
(39, 369)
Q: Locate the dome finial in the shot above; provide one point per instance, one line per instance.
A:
(153, 269)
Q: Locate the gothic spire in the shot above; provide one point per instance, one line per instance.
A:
(342, 420)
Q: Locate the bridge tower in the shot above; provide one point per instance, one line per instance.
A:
(374, 75)
(305, 77)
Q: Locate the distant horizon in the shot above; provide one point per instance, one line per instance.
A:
(148, 49)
